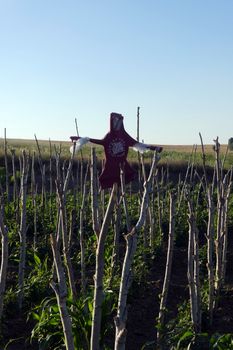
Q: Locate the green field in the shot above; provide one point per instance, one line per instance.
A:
(173, 155)
(126, 240)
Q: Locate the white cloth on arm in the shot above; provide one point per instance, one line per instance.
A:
(140, 147)
(79, 144)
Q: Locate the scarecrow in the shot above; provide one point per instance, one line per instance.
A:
(116, 144)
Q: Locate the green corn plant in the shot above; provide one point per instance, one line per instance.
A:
(82, 319)
(48, 333)
(221, 342)
(81, 314)
(36, 286)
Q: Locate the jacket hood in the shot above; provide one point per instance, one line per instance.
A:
(116, 122)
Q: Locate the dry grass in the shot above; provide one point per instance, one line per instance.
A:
(189, 148)
(31, 144)
(172, 154)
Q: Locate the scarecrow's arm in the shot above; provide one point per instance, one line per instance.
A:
(142, 147)
(81, 141)
(97, 141)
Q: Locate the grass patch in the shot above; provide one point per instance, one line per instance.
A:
(171, 155)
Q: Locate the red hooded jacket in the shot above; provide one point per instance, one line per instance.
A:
(116, 145)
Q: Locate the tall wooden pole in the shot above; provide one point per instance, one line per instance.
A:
(126, 278)
(99, 273)
(6, 165)
(138, 116)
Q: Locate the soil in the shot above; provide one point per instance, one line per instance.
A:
(17, 334)
(144, 306)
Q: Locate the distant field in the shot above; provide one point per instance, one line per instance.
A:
(19, 144)
(171, 153)
(188, 148)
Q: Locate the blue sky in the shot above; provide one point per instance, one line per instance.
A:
(61, 60)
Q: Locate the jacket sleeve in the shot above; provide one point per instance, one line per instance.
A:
(130, 140)
(97, 141)
(82, 141)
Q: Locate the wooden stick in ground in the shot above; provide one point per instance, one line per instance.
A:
(81, 233)
(62, 225)
(65, 240)
(210, 250)
(223, 192)
(220, 213)
(209, 191)
(99, 273)
(15, 188)
(131, 245)
(43, 192)
(60, 290)
(4, 260)
(197, 279)
(23, 228)
(159, 190)
(41, 167)
(77, 132)
(189, 170)
(193, 275)
(152, 215)
(94, 194)
(39, 153)
(167, 277)
(204, 161)
(50, 170)
(139, 159)
(6, 165)
(117, 225)
(123, 197)
(34, 203)
(50, 179)
(227, 185)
